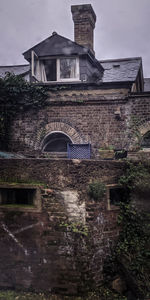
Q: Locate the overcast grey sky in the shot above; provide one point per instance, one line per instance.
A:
(122, 27)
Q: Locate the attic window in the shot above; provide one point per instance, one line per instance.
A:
(55, 69)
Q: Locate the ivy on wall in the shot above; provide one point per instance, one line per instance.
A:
(131, 256)
(17, 95)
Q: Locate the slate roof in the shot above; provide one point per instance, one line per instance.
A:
(121, 70)
(146, 84)
(17, 70)
(56, 45)
(116, 70)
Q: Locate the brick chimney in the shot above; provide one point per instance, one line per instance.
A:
(84, 23)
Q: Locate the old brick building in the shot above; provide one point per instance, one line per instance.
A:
(94, 102)
(91, 105)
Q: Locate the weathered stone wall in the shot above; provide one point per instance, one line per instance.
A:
(37, 252)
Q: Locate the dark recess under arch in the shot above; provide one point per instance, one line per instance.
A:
(56, 142)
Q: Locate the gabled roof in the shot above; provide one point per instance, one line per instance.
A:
(121, 70)
(17, 70)
(56, 45)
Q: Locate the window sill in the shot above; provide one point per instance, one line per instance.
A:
(61, 81)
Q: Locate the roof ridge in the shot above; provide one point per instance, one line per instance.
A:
(121, 59)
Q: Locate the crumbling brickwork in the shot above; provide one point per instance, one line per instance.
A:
(37, 251)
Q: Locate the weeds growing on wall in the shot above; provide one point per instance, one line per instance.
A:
(75, 227)
(96, 190)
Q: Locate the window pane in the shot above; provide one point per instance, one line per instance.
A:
(68, 68)
(50, 69)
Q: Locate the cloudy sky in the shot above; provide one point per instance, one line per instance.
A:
(122, 27)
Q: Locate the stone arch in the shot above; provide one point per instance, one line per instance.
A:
(61, 127)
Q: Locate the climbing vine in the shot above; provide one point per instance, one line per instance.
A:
(135, 133)
(17, 95)
(131, 256)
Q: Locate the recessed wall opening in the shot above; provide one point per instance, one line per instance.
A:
(56, 142)
(17, 196)
(115, 195)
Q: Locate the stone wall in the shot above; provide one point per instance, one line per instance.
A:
(47, 249)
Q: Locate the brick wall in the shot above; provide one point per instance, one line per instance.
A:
(85, 116)
(84, 23)
(37, 252)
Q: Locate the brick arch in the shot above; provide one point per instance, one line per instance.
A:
(58, 127)
(143, 128)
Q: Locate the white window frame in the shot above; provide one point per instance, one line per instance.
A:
(41, 76)
(33, 54)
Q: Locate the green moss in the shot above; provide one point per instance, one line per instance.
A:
(15, 181)
(103, 294)
(17, 206)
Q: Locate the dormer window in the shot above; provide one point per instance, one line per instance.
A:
(55, 69)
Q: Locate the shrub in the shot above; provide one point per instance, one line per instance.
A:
(96, 190)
